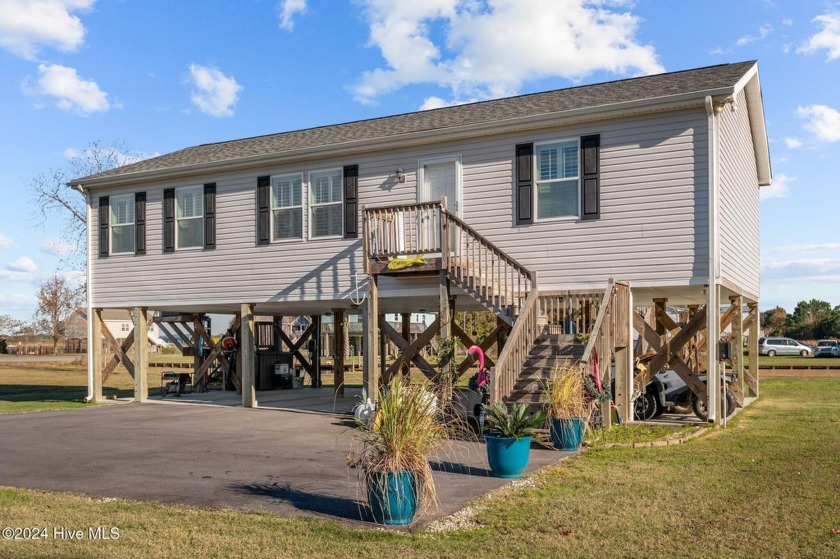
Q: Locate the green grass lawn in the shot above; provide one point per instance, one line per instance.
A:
(766, 486)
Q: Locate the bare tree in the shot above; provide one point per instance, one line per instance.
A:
(57, 300)
(9, 326)
(55, 200)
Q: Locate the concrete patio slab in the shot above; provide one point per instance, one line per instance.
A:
(288, 462)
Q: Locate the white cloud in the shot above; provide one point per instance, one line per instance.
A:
(763, 31)
(828, 38)
(793, 143)
(71, 93)
(778, 189)
(22, 264)
(822, 121)
(58, 247)
(488, 49)
(26, 25)
(216, 93)
(288, 9)
(6, 242)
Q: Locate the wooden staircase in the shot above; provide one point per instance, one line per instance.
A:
(549, 352)
(543, 324)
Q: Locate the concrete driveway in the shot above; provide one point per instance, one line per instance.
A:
(223, 457)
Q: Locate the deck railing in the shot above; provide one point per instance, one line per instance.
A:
(517, 347)
(569, 311)
(484, 270)
(403, 230)
(474, 263)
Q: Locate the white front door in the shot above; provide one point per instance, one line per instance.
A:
(439, 178)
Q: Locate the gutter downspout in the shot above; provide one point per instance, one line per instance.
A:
(88, 292)
(713, 304)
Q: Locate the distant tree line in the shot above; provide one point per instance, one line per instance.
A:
(810, 320)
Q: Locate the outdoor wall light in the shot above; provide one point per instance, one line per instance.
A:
(400, 175)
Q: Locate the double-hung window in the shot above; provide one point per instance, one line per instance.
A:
(558, 179)
(325, 202)
(189, 213)
(122, 224)
(287, 207)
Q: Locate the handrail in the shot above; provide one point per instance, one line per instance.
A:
(516, 349)
(596, 328)
(460, 223)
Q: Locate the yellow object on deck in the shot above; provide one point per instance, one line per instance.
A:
(403, 263)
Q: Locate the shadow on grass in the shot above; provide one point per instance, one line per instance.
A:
(330, 505)
(57, 393)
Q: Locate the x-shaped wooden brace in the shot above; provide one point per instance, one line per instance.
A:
(120, 353)
(294, 347)
(409, 352)
(464, 365)
(215, 353)
(667, 352)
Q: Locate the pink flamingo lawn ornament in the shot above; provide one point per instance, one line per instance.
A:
(481, 379)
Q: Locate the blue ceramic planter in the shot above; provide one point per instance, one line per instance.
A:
(392, 497)
(508, 457)
(567, 434)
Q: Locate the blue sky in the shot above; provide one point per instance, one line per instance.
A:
(160, 75)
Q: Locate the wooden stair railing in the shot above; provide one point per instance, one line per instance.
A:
(517, 347)
(486, 272)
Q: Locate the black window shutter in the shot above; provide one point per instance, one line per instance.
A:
(590, 147)
(210, 215)
(351, 202)
(524, 184)
(263, 210)
(169, 220)
(139, 223)
(104, 216)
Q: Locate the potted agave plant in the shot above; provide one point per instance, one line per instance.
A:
(395, 453)
(567, 407)
(508, 437)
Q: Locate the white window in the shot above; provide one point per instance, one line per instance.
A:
(558, 179)
(286, 207)
(125, 327)
(122, 224)
(189, 214)
(326, 217)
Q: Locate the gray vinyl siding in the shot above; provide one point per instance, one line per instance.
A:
(739, 201)
(652, 230)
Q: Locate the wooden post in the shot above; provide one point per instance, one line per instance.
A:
(406, 335)
(383, 349)
(338, 358)
(315, 357)
(660, 305)
(246, 350)
(198, 357)
(624, 366)
(753, 346)
(141, 355)
(737, 340)
(276, 326)
(371, 345)
(95, 353)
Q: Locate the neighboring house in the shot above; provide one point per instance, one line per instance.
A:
(653, 181)
(118, 322)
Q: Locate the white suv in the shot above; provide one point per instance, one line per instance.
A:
(827, 348)
(782, 346)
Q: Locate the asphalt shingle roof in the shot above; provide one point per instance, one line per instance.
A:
(557, 101)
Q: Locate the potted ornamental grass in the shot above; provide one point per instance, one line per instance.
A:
(508, 432)
(567, 407)
(395, 450)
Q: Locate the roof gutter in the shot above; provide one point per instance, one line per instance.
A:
(531, 122)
